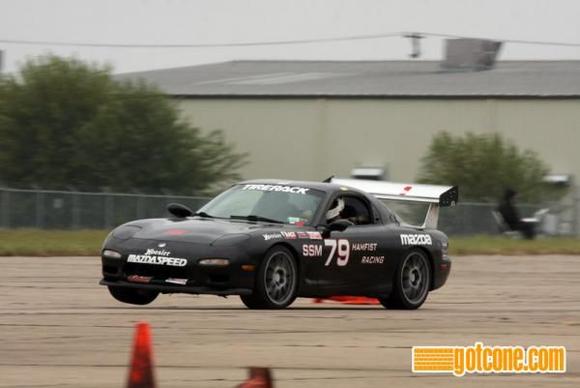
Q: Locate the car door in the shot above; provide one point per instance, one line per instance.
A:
(353, 259)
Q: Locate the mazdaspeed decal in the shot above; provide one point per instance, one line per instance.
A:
(157, 257)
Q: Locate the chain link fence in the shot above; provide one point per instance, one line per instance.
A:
(477, 218)
(48, 209)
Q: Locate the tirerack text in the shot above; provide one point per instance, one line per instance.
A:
(284, 189)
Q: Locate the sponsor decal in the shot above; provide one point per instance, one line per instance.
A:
(280, 188)
(364, 247)
(158, 252)
(271, 236)
(372, 260)
(416, 239)
(302, 235)
(289, 235)
(181, 282)
(297, 221)
(311, 250)
(139, 278)
(314, 235)
(484, 359)
(157, 257)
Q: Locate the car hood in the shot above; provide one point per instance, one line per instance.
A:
(199, 231)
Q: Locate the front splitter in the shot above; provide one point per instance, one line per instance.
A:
(174, 289)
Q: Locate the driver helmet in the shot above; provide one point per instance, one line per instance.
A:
(335, 209)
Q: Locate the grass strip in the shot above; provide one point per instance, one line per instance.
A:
(34, 242)
(499, 245)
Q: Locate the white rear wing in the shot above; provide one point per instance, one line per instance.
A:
(435, 196)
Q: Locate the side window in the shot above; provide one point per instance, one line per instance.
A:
(356, 211)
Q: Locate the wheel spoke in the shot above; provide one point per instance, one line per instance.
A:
(279, 277)
(414, 277)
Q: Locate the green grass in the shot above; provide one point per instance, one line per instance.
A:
(32, 242)
(498, 245)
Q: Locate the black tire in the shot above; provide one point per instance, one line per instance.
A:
(411, 283)
(276, 281)
(133, 295)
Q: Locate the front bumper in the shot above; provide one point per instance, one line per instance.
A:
(237, 278)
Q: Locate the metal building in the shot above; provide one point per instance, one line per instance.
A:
(312, 119)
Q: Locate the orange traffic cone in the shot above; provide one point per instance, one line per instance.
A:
(141, 372)
(358, 300)
(259, 378)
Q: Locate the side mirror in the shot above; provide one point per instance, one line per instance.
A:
(179, 210)
(339, 225)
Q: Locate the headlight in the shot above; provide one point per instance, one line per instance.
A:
(111, 254)
(215, 262)
(230, 239)
(125, 232)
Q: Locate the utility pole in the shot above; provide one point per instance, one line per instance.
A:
(415, 44)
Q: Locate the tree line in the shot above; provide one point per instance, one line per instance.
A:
(68, 124)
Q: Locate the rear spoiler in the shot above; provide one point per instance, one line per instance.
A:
(435, 196)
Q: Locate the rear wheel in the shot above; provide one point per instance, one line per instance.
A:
(276, 281)
(133, 295)
(411, 283)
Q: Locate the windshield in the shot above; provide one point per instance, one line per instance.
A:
(259, 202)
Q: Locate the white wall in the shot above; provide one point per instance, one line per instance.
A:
(315, 138)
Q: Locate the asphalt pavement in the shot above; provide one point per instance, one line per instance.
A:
(58, 328)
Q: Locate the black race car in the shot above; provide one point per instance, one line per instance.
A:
(271, 241)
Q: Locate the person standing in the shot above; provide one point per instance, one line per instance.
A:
(511, 216)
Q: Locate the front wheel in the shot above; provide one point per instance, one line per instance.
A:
(411, 283)
(133, 295)
(276, 281)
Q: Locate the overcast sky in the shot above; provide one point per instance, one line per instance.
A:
(237, 21)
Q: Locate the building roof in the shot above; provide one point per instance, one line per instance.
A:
(370, 79)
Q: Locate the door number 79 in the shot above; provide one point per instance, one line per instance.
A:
(342, 253)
